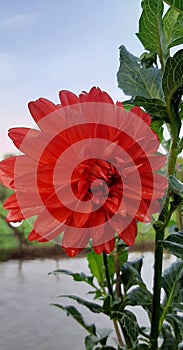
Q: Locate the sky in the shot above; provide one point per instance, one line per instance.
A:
(50, 45)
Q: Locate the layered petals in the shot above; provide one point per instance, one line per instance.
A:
(88, 174)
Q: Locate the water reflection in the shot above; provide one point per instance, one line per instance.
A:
(27, 319)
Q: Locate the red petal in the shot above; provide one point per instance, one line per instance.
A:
(72, 252)
(129, 234)
(96, 95)
(67, 98)
(74, 238)
(40, 108)
(144, 116)
(106, 247)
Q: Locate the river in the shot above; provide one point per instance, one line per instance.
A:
(28, 321)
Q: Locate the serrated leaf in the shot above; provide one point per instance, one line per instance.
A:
(170, 342)
(172, 283)
(173, 26)
(78, 277)
(107, 305)
(151, 31)
(131, 274)
(136, 80)
(157, 127)
(137, 264)
(175, 185)
(173, 84)
(93, 307)
(176, 322)
(77, 316)
(174, 244)
(156, 108)
(176, 4)
(139, 296)
(95, 264)
(91, 341)
(129, 322)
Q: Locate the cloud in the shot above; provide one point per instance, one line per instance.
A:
(19, 20)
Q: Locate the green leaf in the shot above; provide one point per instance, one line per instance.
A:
(173, 85)
(139, 296)
(151, 32)
(176, 4)
(173, 26)
(172, 283)
(174, 248)
(170, 342)
(157, 127)
(122, 257)
(174, 244)
(131, 274)
(78, 277)
(129, 322)
(95, 264)
(93, 307)
(156, 108)
(107, 306)
(76, 315)
(175, 185)
(136, 80)
(111, 265)
(91, 341)
(176, 322)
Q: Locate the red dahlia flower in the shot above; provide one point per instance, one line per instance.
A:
(87, 173)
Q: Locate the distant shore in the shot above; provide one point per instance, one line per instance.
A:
(56, 252)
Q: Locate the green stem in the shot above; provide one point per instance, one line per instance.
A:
(160, 232)
(172, 157)
(109, 286)
(179, 219)
(157, 288)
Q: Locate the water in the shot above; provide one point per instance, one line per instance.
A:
(28, 321)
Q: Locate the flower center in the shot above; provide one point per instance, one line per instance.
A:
(96, 179)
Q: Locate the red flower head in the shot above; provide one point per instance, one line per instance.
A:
(87, 173)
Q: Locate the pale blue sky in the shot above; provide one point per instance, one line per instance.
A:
(50, 45)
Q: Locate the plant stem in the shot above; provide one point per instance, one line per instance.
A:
(179, 219)
(107, 275)
(120, 341)
(160, 232)
(109, 287)
(157, 288)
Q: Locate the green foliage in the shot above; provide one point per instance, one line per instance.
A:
(78, 277)
(176, 4)
(174, 244)
(175, 185)
(92, 340)
(136, 80)
(173, 86)
(157, 110)
(74, 313)
(170, 341)
(95, 264)
(172, 283)
(151, 30)
(129, 321)
(93, 307)
(173, 26)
